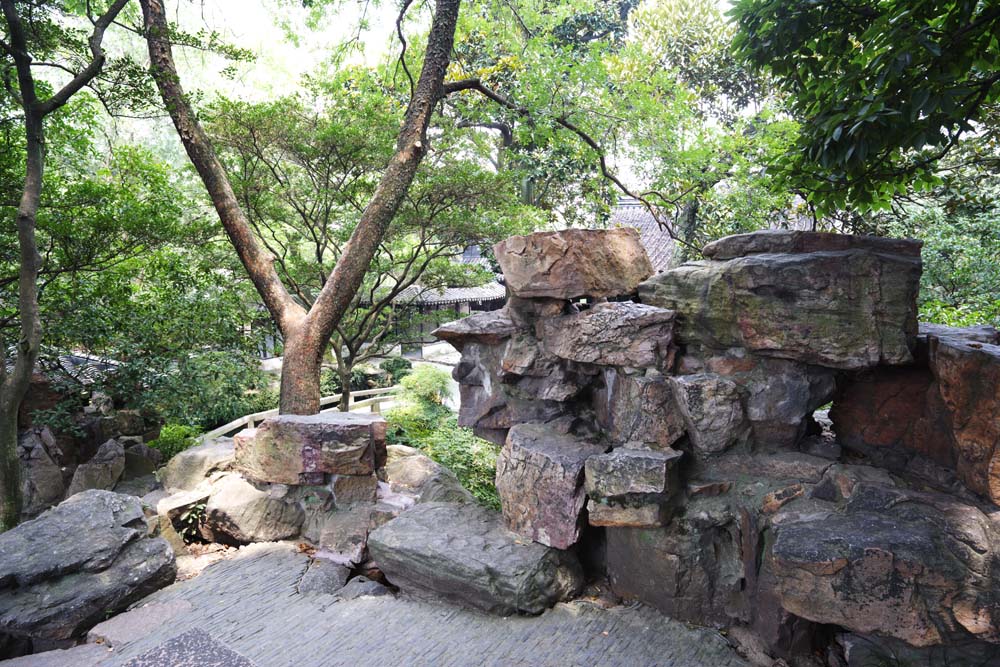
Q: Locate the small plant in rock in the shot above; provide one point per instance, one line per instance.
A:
(190, 520)
(174, 439)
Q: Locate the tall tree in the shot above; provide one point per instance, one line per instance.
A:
(306, 333)
(303, 167)
(29, 28)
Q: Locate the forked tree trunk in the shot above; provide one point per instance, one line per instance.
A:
(307, 334)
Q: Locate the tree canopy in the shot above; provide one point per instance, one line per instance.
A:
(883, 90)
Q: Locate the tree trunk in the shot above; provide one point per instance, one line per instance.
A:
(344, 371)
(306, 334)
(15, 384)
(300, 373)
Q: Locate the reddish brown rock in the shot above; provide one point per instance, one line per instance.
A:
(610, 514)
(919, 567)
(944, 409)
(613, 334)
(777, 499)
(894, 408)
(42, 394)
(968, 375)
(574, 263)
(540, 482)
(300, 449)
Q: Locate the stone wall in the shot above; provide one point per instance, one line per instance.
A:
(675, 426)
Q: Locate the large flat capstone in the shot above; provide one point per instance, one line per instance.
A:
(574, 263)
(462, 552)
(846, 304)
(301, 449)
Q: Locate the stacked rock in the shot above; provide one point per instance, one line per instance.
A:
(528, 376)
(681, 427)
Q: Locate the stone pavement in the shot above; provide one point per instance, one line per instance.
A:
(247, 612)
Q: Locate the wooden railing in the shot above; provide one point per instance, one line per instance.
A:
(366, 398)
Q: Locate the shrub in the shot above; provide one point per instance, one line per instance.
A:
(329, 381)
(472, 459)
(426, 385)
(174, 439)
(423, 422)
(396, 368)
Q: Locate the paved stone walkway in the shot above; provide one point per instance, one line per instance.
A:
(247, 612)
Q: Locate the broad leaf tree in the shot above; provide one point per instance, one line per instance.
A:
(304, 167)
(306, 332)
(33, 31)
(883, 89)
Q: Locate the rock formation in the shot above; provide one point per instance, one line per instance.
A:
(65, 571)
(676, 431)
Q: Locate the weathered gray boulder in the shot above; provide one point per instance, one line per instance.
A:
(574, 263)
(301, 449)
(639, 409)
(191, 467)
(63, 572)
(781, 396)
(691, 571)
(486, 328)
(243, 512)
(613, 334)
(323, 577)
(919, 567)
(342, 534)
(625, 472)
(409, 471)
(41, 477)
(141, 460)
(100, 472)
(713, 411)
(540, 483)
(848, 308)
(130, 422)
(791, 241)
(463, 553)
(350, 490)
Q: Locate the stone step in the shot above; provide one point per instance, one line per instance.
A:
(465, 554)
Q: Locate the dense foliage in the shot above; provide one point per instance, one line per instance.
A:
(424, 422)
(883, 89)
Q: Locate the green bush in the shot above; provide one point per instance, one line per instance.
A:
(329, 381)
(426, 385)
(396, 368)
(423, 422)
(174, 439)
(204, 389)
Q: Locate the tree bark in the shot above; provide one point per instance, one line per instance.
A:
(307, 333)
(14, 385)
